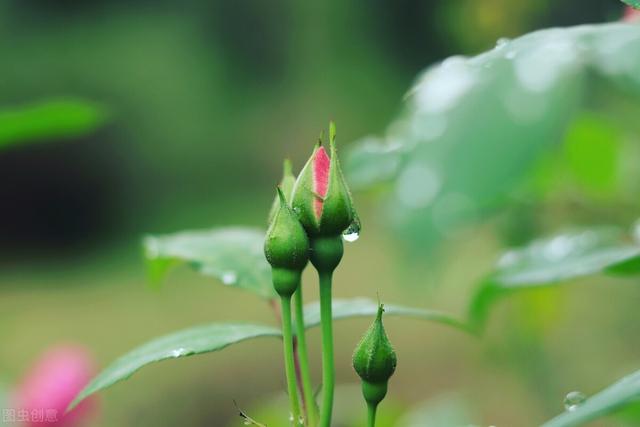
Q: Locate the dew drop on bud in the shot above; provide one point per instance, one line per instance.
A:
(229, 278)
(573, 400)
(352, 233)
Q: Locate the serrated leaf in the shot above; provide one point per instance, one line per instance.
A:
(233, 255)
(49, 119)
(475, 128)
(612, 398)
(364, 307)
(188, 342)
(555, 260)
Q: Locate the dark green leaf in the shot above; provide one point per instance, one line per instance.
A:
(363, 307)
(475, 128)
(232, 255)
(612, 398)
(554, 260)
(49, 119)
(197, 340)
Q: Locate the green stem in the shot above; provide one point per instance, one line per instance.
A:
(328, 368)
(303, 357)
(289, 365)
(371, 414)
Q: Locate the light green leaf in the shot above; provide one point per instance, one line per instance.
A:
(554, 260)
(49, 119)
(196, 340)
(233, 255)
(612, 398)
(364, 307)
(633, 3)
(475, 128)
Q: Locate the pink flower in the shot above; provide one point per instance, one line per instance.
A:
(51, 384)
(631, 14)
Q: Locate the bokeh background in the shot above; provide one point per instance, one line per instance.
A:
(200, 101)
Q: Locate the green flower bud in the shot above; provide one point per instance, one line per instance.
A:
(286, 184)
(321, 198)
(375, 361)
(286, 248)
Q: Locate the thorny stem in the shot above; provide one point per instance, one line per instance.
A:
(289, 365)
(371, 414)
(308, 400)
(328, 368)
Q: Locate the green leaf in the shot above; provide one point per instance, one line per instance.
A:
(554, 260)
(60, 118)
(612, 398)
(196, 340)
(233, 255)
(475, 128)
(364, 307)
(633, 3)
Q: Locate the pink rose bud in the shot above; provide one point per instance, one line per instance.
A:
(321, 198)
(50, 386)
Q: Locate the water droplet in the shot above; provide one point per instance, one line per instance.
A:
(229, 277)
(247, 422)
(502, 42)
(291, 417)
(352, 233)
(180, 352)
(558, 248)
(573, 400)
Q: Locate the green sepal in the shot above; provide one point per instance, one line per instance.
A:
(304, 196)
(286, 184)
(374, 358)
(286, 244)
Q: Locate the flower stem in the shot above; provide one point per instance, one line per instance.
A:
(303, 358)
(328, 368)
(289, 366)
(371, 414)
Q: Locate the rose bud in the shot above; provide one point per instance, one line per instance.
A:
(375, 361)
(286, 184)
(286, 248)
(321, 198)
(50, 386)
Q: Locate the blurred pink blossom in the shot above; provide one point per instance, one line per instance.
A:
(631, 14)
(41, 399)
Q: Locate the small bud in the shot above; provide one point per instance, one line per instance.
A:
(286, 184)
(286, 248)
(375, 361)
(321, 198)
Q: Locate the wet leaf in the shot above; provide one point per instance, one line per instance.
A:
(611, 399)
(196, 340)
(232, 255)
(556, 260)
(475, 128)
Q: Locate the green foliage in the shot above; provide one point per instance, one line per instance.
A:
(216, 336)
(364, 307)
(196, 340)
(633, 3)
(56, 118)
(612, 398)
(475, 128)
(556, 260)
(233, 255)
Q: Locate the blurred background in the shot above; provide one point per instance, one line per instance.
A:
(193, 105)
